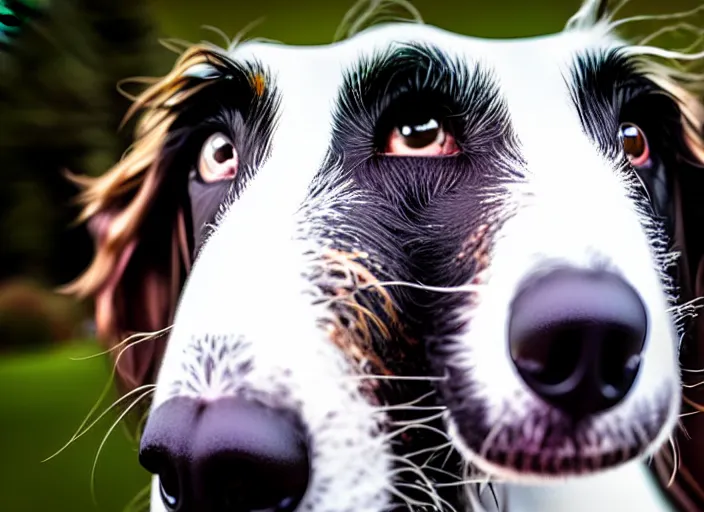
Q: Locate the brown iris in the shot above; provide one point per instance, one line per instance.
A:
(427, 138)
(634, 144)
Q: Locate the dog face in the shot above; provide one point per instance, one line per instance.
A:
(532, 188)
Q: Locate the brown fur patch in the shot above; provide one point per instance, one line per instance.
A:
(258, 84)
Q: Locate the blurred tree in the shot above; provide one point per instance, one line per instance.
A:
(59, 109)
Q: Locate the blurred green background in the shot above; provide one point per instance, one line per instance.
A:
(59, 109)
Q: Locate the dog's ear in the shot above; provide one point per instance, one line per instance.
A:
(138, 214)
(691, 183)
(684, 471)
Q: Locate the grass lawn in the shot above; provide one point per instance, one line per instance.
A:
(44, 397)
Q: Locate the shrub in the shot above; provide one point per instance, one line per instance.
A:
(33, 316)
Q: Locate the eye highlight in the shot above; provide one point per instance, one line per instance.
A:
(218, 159)
(635, 144)
(425, 138)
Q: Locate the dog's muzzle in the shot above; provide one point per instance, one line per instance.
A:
(576, 338)
(228, 455)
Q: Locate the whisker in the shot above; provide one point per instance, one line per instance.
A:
(419, 286)
(140, 337)
(107, 436)
(460, 483)
(423, 378)
(688, 370)
(107, 388)
(433, 449)
(406, 499)
(675, 457)
(413, 468)
(406, 428)
(689, 306)
(448, 448)
(83, 431)
(433, 495)
(387, 408)
(419, 421)
(411, 405)
(692, 386)
(442, 472)
(486, 444)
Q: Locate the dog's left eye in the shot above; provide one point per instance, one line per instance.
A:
(218, 159)
(427, 137)
(635, 144)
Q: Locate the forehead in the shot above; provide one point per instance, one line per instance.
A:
(531, 76)
(319, 70)
(530, 73)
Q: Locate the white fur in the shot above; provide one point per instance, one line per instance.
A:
(248, 282)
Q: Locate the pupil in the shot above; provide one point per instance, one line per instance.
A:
(223, 153)
(633, 142)
(421, 135)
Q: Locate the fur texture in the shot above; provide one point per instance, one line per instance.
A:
(347, 286)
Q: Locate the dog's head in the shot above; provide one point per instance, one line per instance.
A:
(569, 253)
(279, 387)
(505, 210)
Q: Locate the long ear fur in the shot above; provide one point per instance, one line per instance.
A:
(137, 212)
(681, 467)
(685, 477)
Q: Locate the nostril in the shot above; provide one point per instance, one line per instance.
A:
(229, 455)
(169, 488)
(250, 457)
(164, 449)
(619, 364)
(547, 358)
(576, 337)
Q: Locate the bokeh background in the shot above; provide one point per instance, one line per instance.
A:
(59, 109)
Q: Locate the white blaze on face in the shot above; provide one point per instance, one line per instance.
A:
(248, 284)
(573, 208)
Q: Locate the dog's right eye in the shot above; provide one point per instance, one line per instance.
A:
(421, 138)
(218, 159)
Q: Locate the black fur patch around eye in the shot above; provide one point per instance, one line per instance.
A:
(417, 219)
(607, 91)
(241, 101)
(422, 78)
(422, 202)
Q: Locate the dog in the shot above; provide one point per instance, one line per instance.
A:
(512, 223)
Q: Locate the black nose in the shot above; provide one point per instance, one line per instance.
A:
(230, 455)
(576, 338)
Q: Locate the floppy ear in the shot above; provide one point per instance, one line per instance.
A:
(691, 436)
(139, 216)
(683, 472)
